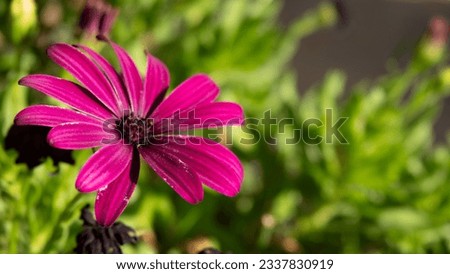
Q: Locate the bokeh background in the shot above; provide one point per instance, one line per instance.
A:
(382, 64)
(372, 33)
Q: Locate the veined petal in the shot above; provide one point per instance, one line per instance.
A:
(133, 81)
(217, 114)
(111, 74)
(105, 166)
(174, 172)
(196, 90)
(79, 135)
(66, 92)
(51, 116)
(215, 165)
(85, 71)
(113, 199)
(156, 83)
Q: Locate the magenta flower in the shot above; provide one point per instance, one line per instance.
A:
(126, 116)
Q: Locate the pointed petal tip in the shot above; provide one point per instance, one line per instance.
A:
(238, 113)
(217, 166)
(82, 187)
(156, 84)
(203, 77)
(50, 140)
(21, 81)
(50, 116)
(30, 78)
(34, 78)
(17, 120)
(231, 190)
(194, 200)
(51, 49)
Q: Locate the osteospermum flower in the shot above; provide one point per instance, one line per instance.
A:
(127, 116)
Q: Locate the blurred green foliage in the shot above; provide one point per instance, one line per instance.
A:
(386, 191)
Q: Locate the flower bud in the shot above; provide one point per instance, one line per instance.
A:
(97, 18)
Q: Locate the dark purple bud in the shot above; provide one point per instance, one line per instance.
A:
(107, 20)
(97, 239)
(97, 18)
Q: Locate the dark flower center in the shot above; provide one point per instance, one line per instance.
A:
(135, 130)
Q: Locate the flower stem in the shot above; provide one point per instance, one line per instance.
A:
(71, 205)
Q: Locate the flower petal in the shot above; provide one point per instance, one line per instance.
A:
(111, 74)
(216, 166)
(66, 92)
(113, 199)
(79, 135)
(51, 116)
(174, 172)
(133, 81)
(196, 90)
(105, 166)
(156, 84)
(85, 71)
(216, 114)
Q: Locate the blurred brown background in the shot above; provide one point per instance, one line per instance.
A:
(374, 31)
